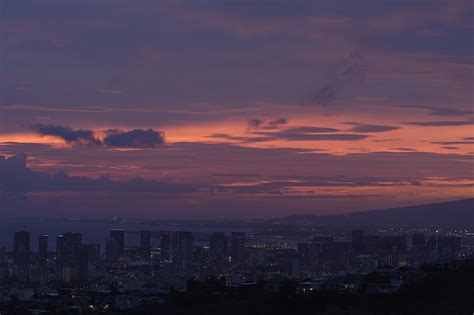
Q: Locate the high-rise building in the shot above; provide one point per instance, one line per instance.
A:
(168, 245)
(70, 248)
(3, 254)
(93, 254)
(59, 248)
(177, 245)
(237, 248)
(68, 256)
(418, 241)
(21, 248)
(218, 246)
(358, 241)
(119, 236)
(145, 243)
(112, 250)
(185, 245)
(373, 243)
(84, 263)
(307, 254)
(43, 245)
(397, 244)
(448, 246)
(322, 243)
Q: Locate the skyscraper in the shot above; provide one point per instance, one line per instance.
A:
(145, 243)
(448, 246)
(3, 253)
(185, 246)
(69, 246)
(43, 245)
(177, 245)
(84, 263)
(418, 241)
(358, 241)
(307, 254)
(237, 249)
(93, 252)
(68, 255)
(168, 245)
(21, 248)
(218, 247)
(396, 243)
(119, 236)
(59, 248)
(111, 250)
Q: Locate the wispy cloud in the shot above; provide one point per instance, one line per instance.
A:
(270, 124)
(441, 123)
(353, 71)
(310, 129)
(371, 128)
(299, 136)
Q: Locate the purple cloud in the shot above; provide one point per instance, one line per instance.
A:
(308, 129)
(297, 136)
(371, 128)
(136, 138)
(441, 123)
(69, 135)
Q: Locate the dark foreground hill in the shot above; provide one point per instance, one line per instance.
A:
(453, 213)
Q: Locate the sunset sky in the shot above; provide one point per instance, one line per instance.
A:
(233, 108)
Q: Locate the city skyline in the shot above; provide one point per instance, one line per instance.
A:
(236, 157)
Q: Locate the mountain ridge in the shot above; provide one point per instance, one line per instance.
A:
(455, 213)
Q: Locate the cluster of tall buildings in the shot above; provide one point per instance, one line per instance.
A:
(227, 248)
(328, 255)
(439, 246)
(72, 256)
(357, 252)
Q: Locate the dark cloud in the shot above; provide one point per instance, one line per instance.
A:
(404, 149)
(452, 142)
(293, 134)
(12, 171)
(441, 123)
(297, 136)
(326, 94)
(390, 167)
(136, 138)
(468, 138)
(352, 71)
(237, 138)
(17, 177)
(68, 134)
(450, 148)
(441, 111)
(386, 140)
(283, 186)
(268, 125)
(415, 182)
(255, 123)
(276, 123)
(305, 129)
(301, 133)
(371, 128)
